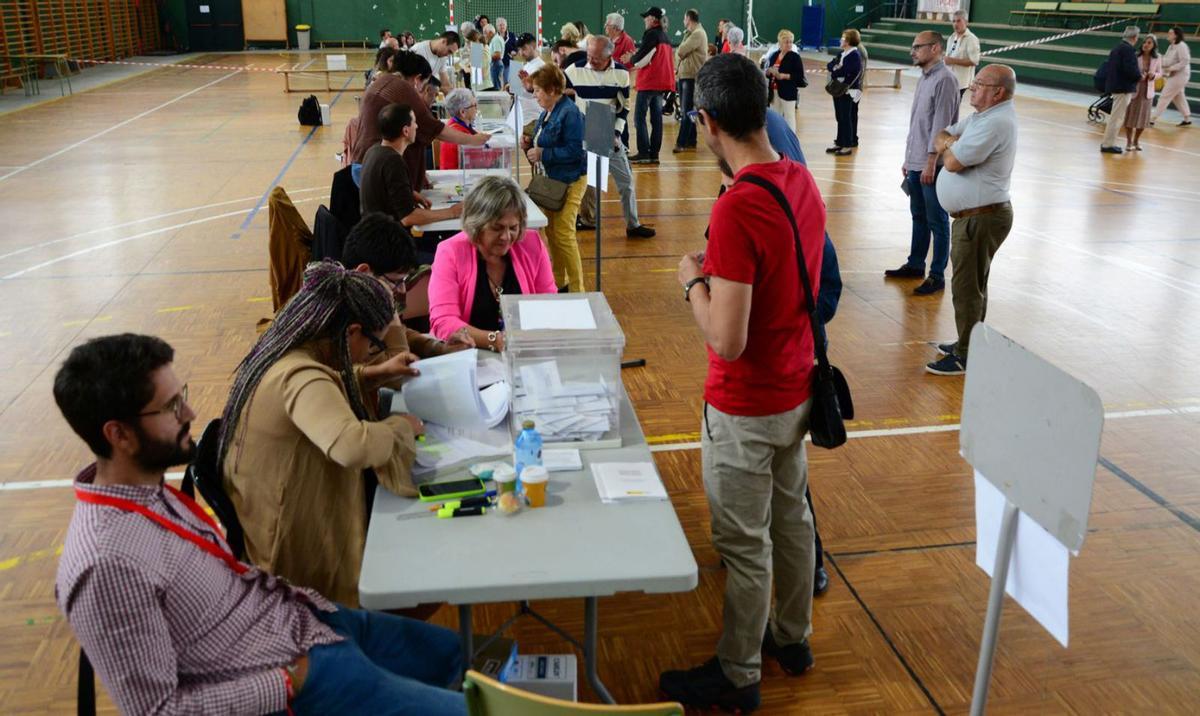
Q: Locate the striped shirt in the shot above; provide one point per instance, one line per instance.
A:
(170, 628)
(609, 85)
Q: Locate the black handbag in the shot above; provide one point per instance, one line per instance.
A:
(836, 88)
(831, 401)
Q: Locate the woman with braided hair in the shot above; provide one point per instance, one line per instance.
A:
(297, 434)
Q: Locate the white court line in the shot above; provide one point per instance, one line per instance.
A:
(926, 429)
(101, 230)
(1126, 192)
(675, 447)
(99, 134)
(144, 234)
(1094, 131)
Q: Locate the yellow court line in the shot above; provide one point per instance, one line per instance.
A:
(174, 309)
(85, 321)
(14, 562)
(671, 438)
(258, 299)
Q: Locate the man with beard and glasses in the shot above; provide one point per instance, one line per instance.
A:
(172, 621)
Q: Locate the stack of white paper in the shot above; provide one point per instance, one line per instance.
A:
(566, 460)
(448, 447)
(447, 393)
(628, 482)
(562, 411)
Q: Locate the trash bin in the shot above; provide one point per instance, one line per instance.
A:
(303, 34)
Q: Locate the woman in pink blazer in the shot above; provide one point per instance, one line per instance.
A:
(493, 255)
(1138, 114)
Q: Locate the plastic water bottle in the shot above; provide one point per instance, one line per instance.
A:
(527, 448)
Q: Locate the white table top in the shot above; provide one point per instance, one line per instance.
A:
(576, 546)
(445, 180)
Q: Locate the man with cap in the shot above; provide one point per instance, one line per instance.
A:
(655, 65)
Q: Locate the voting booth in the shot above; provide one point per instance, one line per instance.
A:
(563, 360)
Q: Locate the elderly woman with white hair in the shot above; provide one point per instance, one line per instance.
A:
(461, 108)
(494, 254)
(735, 38)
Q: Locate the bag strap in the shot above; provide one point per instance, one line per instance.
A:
(810, 301)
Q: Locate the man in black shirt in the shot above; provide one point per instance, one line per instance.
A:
(1121, 82)
(386, 185)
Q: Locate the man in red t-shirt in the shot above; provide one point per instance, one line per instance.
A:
(746, 296)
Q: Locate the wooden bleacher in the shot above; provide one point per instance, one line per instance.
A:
(1081, 14)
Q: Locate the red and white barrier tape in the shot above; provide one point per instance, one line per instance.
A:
(1052, 38)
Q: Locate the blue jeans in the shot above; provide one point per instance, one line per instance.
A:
(687, 128)
(498, 74)
(928, 217)
(386, 665)
(356, 174)
(648, 145)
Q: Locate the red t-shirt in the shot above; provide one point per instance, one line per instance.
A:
(750, 241)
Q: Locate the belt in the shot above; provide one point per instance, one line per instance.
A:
(986, 209)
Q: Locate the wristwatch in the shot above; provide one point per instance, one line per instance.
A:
(687, 287)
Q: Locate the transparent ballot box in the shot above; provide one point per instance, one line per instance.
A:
(497, 156)
(563, 358)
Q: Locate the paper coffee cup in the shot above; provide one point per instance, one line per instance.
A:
(505, 478)
(534, 478)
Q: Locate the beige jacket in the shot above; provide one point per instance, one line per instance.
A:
(692, 53)
(294, 473)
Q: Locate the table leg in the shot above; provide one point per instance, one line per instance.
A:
(591, 622)
(468, 640)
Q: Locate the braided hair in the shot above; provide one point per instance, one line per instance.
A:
(330, 300)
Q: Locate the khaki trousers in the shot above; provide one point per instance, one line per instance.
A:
(973, 242)
(755, 476)
(1116, 119)
(560, 238)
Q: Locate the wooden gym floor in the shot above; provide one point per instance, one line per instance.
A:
(137, 206)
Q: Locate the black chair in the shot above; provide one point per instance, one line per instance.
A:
(203, 474)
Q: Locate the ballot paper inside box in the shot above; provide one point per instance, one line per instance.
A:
(563, 360)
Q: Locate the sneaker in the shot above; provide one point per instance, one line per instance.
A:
(1111, 150)
(930, 286)
(794, 658)
(947, 365)
(905, 272)
(706, 687)
(820, 581)
(640, 231)
(946, 349)
(644, 160)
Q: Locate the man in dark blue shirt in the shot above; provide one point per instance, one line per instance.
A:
(1121, 82)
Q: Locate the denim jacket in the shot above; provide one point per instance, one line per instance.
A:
(561, 140)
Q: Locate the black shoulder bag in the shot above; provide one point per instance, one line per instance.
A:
(831, 402)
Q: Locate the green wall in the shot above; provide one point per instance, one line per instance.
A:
(996, 11)
(342, 20)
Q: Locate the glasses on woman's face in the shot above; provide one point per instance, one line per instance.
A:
(174, 405)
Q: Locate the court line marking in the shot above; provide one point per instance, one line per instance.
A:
(676, 447)
(143, 220)
(117, 126)
(1093, 131)
(115, 242)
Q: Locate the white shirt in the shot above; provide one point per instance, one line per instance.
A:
(438, 64)
(987, 146)
(964, 47)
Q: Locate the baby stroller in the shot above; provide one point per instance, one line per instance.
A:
(1100, 109)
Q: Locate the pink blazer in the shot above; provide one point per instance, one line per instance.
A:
(1155, 73)
(456, 268)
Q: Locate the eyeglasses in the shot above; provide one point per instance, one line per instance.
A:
(977, 83)
(402, 283)
(695, 116)
(174, 405)
(377, 346)
(922, 44)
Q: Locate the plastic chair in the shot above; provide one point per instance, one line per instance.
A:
(488, 697)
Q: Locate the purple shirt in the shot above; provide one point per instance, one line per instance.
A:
(170, 628)
(934, 107)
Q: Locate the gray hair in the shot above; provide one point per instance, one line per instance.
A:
(501, 20)
(615, 19)
(734, 35)
(492, 198)
(1131, 32)
(604, 40)
(458, 101)
(959, 15)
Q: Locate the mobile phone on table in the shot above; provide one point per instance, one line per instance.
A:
(454, 489)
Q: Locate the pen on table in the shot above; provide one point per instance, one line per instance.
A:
(473, 501)
(449, 512)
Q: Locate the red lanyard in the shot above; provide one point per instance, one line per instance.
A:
(169, 525)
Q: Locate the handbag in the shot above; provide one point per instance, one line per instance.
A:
(1159, 83)
(836, 88)
(831, 401)
(549, 194)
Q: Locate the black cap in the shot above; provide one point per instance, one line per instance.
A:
(655, 12)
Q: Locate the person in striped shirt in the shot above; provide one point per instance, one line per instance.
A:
(172, 621)
(600, 79)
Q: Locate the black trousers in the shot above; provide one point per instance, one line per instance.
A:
(845, 110)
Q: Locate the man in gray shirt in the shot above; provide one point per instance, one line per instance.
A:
(935, 107)
(978, 153)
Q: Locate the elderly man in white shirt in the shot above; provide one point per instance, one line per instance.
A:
(962, 52)
(978, 154)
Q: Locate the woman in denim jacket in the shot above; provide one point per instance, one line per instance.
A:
(557, 144)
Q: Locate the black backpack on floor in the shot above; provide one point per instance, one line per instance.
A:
(310, 112)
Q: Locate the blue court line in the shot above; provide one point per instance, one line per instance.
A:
(279, 177)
